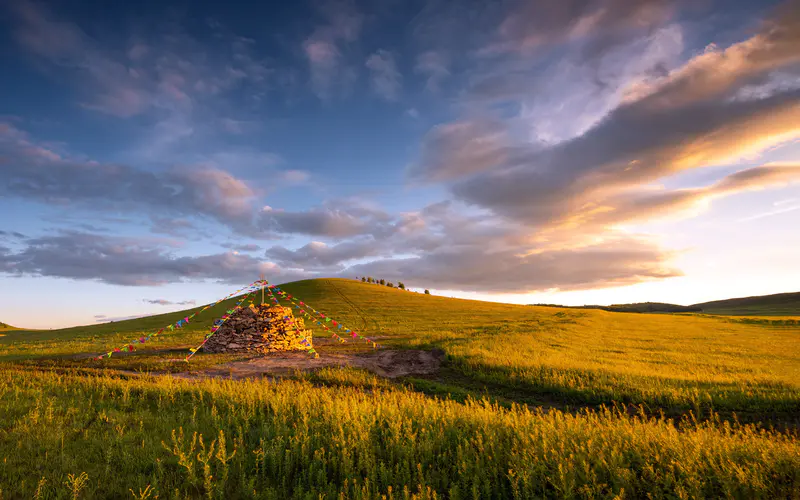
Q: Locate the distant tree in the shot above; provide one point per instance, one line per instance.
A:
(363, 279)
(369, 279)
(382, 282)
(427, 292)
(401, 285)
(390, 284)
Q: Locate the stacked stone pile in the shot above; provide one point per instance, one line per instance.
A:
(261, 329)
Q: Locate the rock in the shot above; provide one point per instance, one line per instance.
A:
(260, 328)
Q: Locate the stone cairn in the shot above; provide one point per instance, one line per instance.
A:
(261, 329)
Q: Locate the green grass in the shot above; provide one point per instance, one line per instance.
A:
(346, 432)
(223, 439)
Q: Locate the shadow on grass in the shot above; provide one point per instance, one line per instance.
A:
(777, 406)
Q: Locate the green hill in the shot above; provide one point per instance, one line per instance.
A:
(526, 353)
(779, 304)
(647, 307)
(344, 433)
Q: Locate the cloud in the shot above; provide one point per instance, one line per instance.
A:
(644, 205)
(434, 65)
(385, 79)
(460, 148)
(164, 302)
(130, 262)
(243, 247)
(106, 319)
(691, 117)
(329, 221)
(480, 253)
(178, 227)
(630, 148)
(12, 235)
(32, 171)
(295, 176)
(331, 75)
(317, 255)
(618, 263)
(599, 24)
(168, 79)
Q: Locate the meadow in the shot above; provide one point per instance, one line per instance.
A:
(531, 402)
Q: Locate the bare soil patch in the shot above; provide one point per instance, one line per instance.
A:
(390, 363)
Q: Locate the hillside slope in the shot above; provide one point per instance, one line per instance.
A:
(528, 354)
(779, 304)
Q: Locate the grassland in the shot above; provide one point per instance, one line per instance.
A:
(475, 430)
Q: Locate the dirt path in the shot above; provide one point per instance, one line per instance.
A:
(388, 363)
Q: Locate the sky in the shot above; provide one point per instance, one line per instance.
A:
(157, 155)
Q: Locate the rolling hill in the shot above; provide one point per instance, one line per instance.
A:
(779, 304)
(528, 353)
(561, 400)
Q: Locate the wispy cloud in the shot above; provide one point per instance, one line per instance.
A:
(36, 172)
(434, 65)
(242, 247)
(130, 262)
(114, 319)
(771, 213)
(385, 79)
(168, 76)
(165, 302)
(332, 222)
(331, 73)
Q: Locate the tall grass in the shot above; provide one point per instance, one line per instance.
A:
(69, 435)
(577, 357)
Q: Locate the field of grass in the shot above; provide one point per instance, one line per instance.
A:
(693, 397)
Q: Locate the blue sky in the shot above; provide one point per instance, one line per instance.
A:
(581, 151)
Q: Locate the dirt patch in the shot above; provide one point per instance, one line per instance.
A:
(388, 363)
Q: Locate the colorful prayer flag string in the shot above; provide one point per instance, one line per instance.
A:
(130, 346)
(226, 317)
(304, 340)
(303, 307)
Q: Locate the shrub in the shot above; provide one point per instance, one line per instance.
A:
(382, 282)
(427, 292)
(401, 285)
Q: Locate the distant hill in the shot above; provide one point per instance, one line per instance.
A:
(779, 304)
(652, 307)
(4, 326)
(643, 307)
